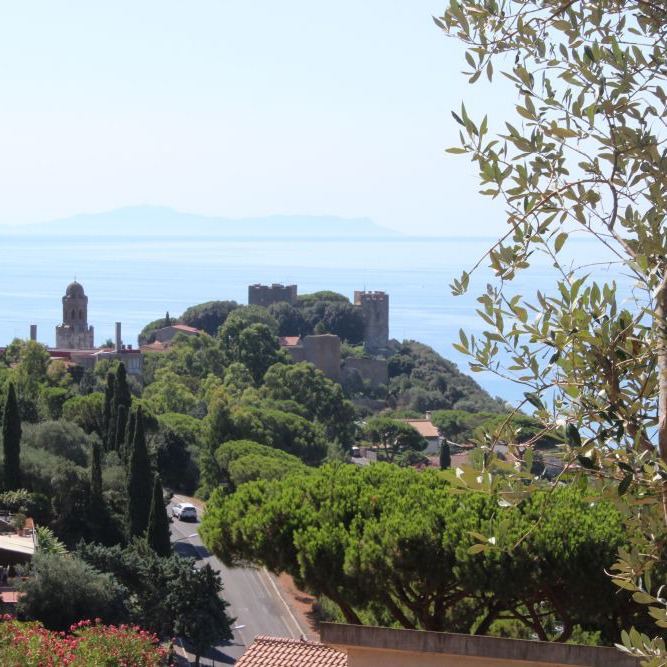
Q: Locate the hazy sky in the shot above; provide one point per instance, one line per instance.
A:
(237, 109)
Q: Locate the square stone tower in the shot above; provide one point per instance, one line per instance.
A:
(375, 309)
(265, 295)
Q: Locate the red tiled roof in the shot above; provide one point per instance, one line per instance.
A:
(286, 652)
(184, 327)
(425, 427)
(289, 341)
(156, 346)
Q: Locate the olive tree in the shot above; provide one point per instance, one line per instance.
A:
(585, 154)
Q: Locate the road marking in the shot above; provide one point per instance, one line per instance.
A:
(299, 629)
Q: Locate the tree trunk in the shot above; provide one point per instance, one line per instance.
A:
(661, 328)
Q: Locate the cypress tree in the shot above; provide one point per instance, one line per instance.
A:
(11, 440)
(121, 398)
(129, 439)
(139, 482)
(108, 407)
(158, 535)
(121, 389)
(96, 473)
(121, 427)
(445, 455)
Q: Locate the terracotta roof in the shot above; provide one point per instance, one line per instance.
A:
(9, 596)
(289, 341)
(424, 426)
(184, 327)
(156, 346)
(286, 652)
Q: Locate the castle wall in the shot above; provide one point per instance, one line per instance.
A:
(323, 352)
(265, 295)
(374, 370)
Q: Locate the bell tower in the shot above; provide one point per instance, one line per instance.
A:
(74, 333)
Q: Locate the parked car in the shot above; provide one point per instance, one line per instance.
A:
(184, 512)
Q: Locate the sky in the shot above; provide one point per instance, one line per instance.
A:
(238, 109)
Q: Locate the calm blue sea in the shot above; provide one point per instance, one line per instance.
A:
(135, 281)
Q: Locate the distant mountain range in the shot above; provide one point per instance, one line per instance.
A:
(161, 221)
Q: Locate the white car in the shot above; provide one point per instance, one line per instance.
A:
(184, 512)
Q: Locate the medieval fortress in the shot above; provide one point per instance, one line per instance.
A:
(373, 305)
(75, 338)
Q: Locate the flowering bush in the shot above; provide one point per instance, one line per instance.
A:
(87, 644)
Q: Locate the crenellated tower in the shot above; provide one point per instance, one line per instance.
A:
(265, 295)
(375, 309)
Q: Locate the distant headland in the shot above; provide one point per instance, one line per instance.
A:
(161, 221)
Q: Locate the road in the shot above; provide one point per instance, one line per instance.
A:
(254, 599)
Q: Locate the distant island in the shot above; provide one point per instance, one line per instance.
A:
(162, 221)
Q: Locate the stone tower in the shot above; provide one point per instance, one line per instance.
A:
(375, 309)
(74, 333)
(265, 295)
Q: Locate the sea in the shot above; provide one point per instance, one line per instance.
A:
(136, 280)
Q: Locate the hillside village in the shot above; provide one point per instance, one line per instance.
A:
(230, 403)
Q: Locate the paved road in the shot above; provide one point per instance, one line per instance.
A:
(252, 594)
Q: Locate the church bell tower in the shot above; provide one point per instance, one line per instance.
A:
(74, 333)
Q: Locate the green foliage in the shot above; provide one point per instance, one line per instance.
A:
(421, 380)
(158, 535)
(242, 461)
(281, 430)
(120, 407)
(147, 334)
(192, 358)
(96, 472)
(445, 455)
(48, 542)
(342, 319)
(24, 644)
(62, 590)
(309, 300)
(393, 438)
(242, 318)
(458, 425)
(165, 595)
(62, 438)
(258, 350)
(200, 614)
(585, 155)
(87, 412)
(189, 429)
(405, 545)
(139, 482)
(516, 428)
(291, 321)
(11, 441)
(209, 316)
(50, 401)
(108, 424)
(22, 500)
(321, 397)
(174, 460)
(170, 392)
